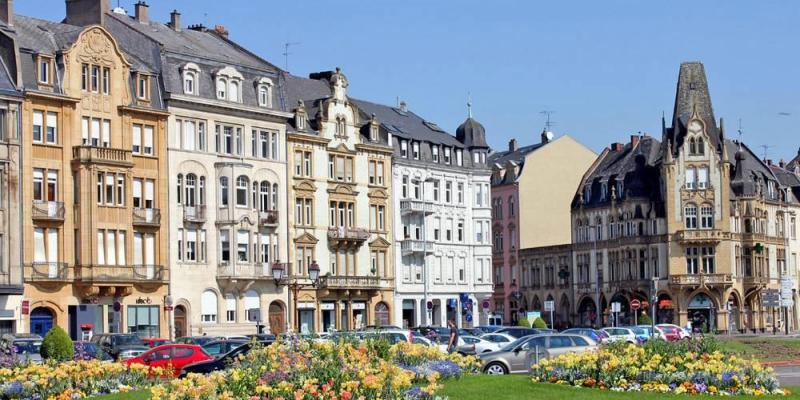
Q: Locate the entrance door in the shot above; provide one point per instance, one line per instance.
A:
(277, 319)
(180, 321)
(41, 321)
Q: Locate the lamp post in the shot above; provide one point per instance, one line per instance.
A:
(517, 296)
(653, 301)
(428, 311)
(294, 284)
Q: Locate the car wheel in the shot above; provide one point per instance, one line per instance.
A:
(496, 368)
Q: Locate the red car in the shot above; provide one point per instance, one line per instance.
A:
(155, 342)
(671, 334)
(171, 356)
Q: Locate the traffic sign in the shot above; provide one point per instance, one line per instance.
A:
(430, 305)
(635, 304)
(486, 304)
(770, 298)
(616, 307)
(117, 306)
(549, 305)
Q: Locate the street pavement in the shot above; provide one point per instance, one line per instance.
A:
(788, 375)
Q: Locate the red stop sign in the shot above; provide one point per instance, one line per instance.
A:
(635, 304)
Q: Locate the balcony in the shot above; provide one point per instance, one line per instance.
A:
(701, 279)
(415, 206)
(343, 235)
(48, 272)
(48, 211)
(354, 282)
(259, 271)
(268, 219)
(584, 288)
(411, 246)
(755, 280)
(102, 155)
(147, 217)
(194, 214)
(122, 274)
(701, 236)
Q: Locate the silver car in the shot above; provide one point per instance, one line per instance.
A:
(518, 357)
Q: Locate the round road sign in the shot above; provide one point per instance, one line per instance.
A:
(635, 304)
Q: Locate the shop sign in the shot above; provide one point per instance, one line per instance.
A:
(143, 300)
(358, 306)
(327, 306)
(26, 307)
(306, 304)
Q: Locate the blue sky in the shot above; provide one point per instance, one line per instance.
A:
(607, 68)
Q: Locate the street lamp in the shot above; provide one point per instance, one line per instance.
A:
(517, 296)
(428, 312)
(294, 284)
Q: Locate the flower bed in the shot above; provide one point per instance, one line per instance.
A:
(652, 369)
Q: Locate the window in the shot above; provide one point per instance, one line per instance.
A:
(265, 93)
(110, 247)
(222, 91)
(241, 191)
(230, 308)
(690, 178)
(45, 245)
(707, 254)
(137, 138)
(702, 178)
(243, 246)
(460, 193)
(690, 213)
(234, 91)
(415, 150)
(225, 245)
(701, 148)
(120, 190)
(45, 69)
(435, 191)
(84, 77)
(435, 153)
(404, 187)
(38, 126)
(341, 126)
(340, 168)
(707, 217)
(373, 132)
(447, 155)
(448, 188)
(459, 160)
(143, 87)
(223, 190)
(106, 80)
(110, 188)
(208, 306)
(460, 231)
(403, 149)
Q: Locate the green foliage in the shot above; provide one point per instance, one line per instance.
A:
(707, 344)
(645, 319)
(524, 322)
(539, 323)
(57, 345)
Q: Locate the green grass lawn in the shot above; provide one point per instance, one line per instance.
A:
(763, 348)
(140, 395)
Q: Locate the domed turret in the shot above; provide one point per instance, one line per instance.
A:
(471, 133)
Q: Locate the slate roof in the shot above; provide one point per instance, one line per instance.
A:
(505, 174)
(407, 124)
(205, 48)
(794, 164)
(692, 95)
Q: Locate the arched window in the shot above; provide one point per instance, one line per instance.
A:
(222, 88)
(223, 190)
(191, 181)
(208, 307)
(692, 146)
(691, 181)
(202, 191)
(188, 82)
(241, 191)
(264, 196)
(702, 178)
(707, 216)
(234, 91)
(180, 189)
(340, 126)
(690, 214)
(254, 196)
(511, 206)
(701, 147)
(274, 196)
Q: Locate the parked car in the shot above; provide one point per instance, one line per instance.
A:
(419, 339)
(155, 342)
(489, 328)
(171, 356)
(518, 356)
(120, 345)
(380, 327)
(620, 335)
(27, 347)
(232, 337)
(646, 332)
(594, 334)
(220, 347)
(391, 335)
(263, 338)
(432, 332)
(501, 339)
(216, 364)
(474, 332)
(682, 333)
(519, 332)
(475, 345)
(89, 351)
(198, 340)
(671, 333)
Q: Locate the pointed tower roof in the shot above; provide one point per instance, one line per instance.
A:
(692, 98)
(471, 132)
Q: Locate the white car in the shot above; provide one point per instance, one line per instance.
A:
(683, 332)
(477, 345)
(443, 346)
(501, 339)
(620, 335)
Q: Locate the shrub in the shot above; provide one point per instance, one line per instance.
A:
(524, 322)
(57, 345)
(539, 323)
(644, 319)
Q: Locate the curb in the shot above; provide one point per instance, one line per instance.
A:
(788, 363)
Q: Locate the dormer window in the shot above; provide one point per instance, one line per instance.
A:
(476, 157)
(45, 70)
(300, 118)
(447, 155)
(229, 84)
(341, 126)
(191, 72)
(459, 160)
(233, 94)
(415, 150)
(143, 87)
(222, 88)
(403, 149)
(435, 153)
(264, 89)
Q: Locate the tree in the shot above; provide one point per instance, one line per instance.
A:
(644, 319)
(524, 322)
(57, 345)
(539, 323)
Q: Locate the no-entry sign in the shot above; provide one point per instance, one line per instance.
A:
(635, 304)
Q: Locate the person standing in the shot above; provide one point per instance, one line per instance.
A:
(452, 344)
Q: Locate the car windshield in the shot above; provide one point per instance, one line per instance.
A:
(27, 346)
(639, 331)
(511, 346)
(128, 340)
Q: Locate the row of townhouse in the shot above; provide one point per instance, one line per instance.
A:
(163, 180)
(695, 227)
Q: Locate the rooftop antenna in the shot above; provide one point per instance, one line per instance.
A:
(740, 134)
(469, 104)
(765, 147)
(548, 123)
(205, 20)
(286, 53)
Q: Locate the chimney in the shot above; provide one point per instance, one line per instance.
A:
(142, 12)
(512, 145)
(7, 12)
(86, 12)
(403, 106)
(220, 30)
(634, 140)
(197, 27)
(769, 162)
(782, 163)
(616, 146)
(175, 20)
